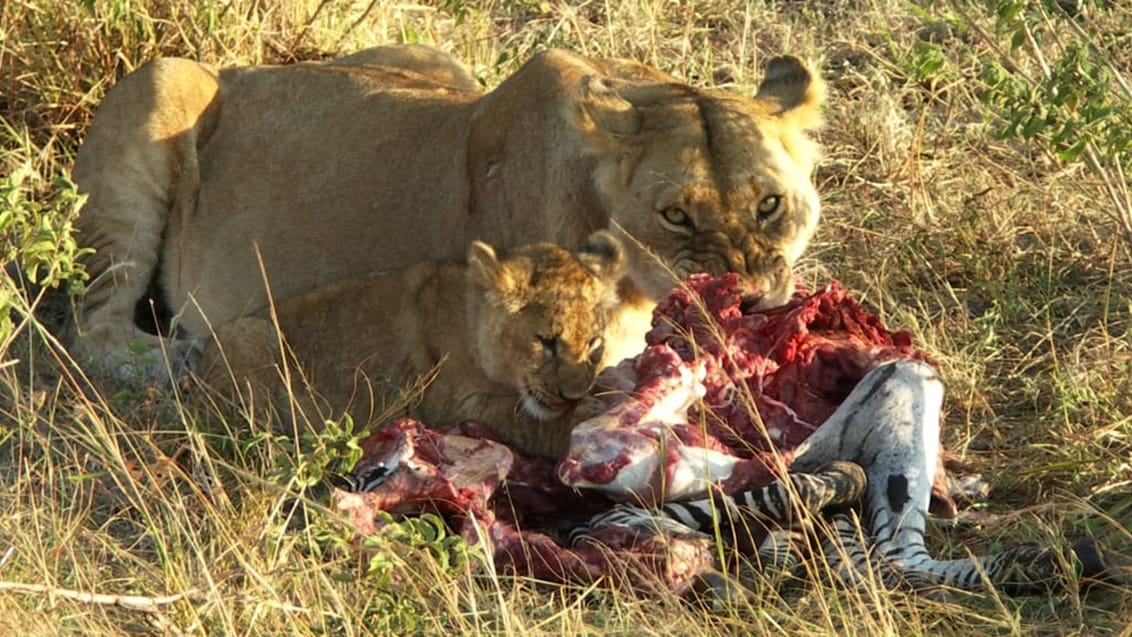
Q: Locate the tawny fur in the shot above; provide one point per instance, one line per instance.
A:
(481, 335)
(391, 156)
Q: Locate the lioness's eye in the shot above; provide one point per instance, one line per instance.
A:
(676, 216)
(768, 205)
(597, 348)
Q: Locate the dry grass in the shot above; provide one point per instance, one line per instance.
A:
(1001, 259)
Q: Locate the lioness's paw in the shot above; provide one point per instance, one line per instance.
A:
(143, 359)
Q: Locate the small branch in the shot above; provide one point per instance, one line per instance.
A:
(1036, 51)
(1115, 188)
(356, 23)
(1102, 54)
(307, 26)
(1003, 58)
(132, 602)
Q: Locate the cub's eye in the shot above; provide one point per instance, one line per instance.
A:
(549, 345)
(768, 205)
(676, 216)
(596, 349)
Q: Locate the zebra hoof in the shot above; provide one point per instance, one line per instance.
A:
(1091, 559)
(715, 591)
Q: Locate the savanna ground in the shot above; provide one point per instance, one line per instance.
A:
(974, 194)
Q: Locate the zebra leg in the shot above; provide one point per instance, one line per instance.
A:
(769, 523)
(747, 518)
(890, 425)
(787, 511)
(773, 524)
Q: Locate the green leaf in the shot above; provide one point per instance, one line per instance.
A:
(1018, 40)
(1074, 151)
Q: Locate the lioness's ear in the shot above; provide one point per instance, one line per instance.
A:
(606, 119)
(798, 93)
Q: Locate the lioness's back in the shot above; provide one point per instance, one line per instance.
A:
(307, 170)
(312, 173)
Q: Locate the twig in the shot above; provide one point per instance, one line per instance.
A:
(132, 602)
(307, 26)
(1115, 187)
(1007, 63)
(1036, 51)
(1101, 54)
(356, 23)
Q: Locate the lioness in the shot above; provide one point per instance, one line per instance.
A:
(515, 341)
(322, 171)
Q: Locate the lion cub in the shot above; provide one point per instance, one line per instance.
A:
(511, 341)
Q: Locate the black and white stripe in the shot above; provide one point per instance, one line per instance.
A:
(880, 446)
(767, 522)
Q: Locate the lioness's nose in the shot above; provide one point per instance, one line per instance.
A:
(757, 285)
(766, 291)
(765, 273)
(737, 261)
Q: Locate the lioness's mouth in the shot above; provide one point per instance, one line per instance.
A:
(750, 303)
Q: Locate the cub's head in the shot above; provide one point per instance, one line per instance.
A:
(538, 315)
(699, 181)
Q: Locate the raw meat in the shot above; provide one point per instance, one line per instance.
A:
(681, 422)
(688, 422)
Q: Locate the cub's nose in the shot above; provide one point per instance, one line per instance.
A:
(576, 389)
(572, 395)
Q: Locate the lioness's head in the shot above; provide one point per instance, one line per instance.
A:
(699, 181)
(538, 315)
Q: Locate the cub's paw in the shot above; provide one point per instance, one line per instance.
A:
(587, 408)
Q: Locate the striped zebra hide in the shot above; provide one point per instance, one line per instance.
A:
(731, 427)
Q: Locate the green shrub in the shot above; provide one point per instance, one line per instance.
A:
(1058, 82)
(37, 243)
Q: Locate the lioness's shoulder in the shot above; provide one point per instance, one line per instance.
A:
(564, 62)
(418, 63)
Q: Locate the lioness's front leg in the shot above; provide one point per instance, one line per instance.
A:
(244, 352)
(138, 167)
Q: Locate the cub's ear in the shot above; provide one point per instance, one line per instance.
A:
(606, 119)
(484, 263)
(603, 255)
(498, 282)
(797, 92)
